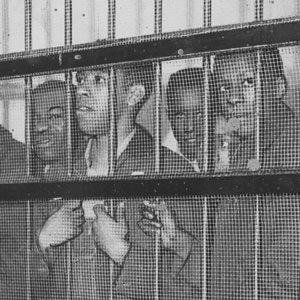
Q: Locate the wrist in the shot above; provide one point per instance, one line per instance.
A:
(183, 244)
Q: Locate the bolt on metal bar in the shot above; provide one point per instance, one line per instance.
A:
(28, 87)
(68, 79)
(111, 19)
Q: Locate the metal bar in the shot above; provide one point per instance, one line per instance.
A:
(207, 13)
(112, 151)
(161, 186)
(68, 78)
(111, 19)
(258, 103)
(157, 117)
(206, 63)
(28, 87)
(5, 49)
(113, 134)
(259, 10)
(158, 16)
(60, 59)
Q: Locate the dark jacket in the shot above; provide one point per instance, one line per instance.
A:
(233, 272)
(136, 278)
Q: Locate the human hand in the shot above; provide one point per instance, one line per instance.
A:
(110, 233)
(62, 226)
(158, 220)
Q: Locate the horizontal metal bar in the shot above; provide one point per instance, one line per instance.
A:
(204, 186)
(160, 46)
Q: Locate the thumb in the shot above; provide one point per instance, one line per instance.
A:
(99, 210)
(121, 212)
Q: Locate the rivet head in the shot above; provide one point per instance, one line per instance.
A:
(78, 57)
(180, 52)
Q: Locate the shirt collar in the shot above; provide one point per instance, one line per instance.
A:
(92, 170)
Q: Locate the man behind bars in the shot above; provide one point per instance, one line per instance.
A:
(49, 142)
(235, 87)
(185, 102)
(185, 107)
(120, 238)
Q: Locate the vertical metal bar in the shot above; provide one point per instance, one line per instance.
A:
(68, 79)
(157, 116)
(28, 86)
(257, 202)
(157, 130)
(111, 19)
(259, 10)
(207, 13)
(113, 141)
(158, 16)
(139, 19)
(206, 224)
(297, 7)
(112, 151)
(206, 64)
(5, 49)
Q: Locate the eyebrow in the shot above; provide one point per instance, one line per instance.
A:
(55, 107)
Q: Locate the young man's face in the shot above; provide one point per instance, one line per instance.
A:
(92, 107)
(50, 125)
(92, 102)
(186, 117)
(235, 76)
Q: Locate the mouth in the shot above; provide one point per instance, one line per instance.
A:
(84, 109)
(43, 143)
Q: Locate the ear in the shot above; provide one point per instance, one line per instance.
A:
(281, 87)
(136, 94)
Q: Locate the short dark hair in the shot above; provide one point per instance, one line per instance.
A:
(188, 78)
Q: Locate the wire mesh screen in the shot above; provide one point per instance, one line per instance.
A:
(237, 247)
(227, 113)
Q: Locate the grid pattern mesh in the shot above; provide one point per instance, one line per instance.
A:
(220, 114)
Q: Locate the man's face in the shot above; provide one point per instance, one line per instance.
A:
(50, 125)
(92, 102)
(186, 117)
(235, 88)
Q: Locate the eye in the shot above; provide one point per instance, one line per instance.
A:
(100, 79)
(248, 82)
(55, 116)
(224, 88)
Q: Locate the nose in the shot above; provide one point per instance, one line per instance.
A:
(189, 124)
(83, 92)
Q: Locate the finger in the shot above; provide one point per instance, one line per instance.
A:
(121, 212)
(148, 228)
